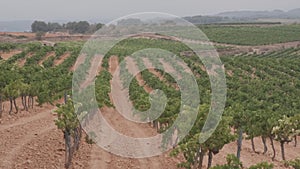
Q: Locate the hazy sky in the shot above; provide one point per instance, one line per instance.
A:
(112, 9)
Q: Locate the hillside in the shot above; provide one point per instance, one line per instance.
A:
(256, 85)
(279, 14)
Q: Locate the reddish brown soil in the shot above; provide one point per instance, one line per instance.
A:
(248, 157)
(8, 55)
(46, 57)
(93, 72)
(29, 35)
(61, 59)
(110, 161)
(22, 61)
(102, 159)
(133, 69)
(80, 60)
(31, 140)
(169, 69)
(158, 74)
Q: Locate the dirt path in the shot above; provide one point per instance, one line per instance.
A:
(22, 61)
(80, 60)
(93, 71)
(61, 59)
(101, 159)
(170, 69)
(49, 54)
(148, 63)
(134, 70)
(7, 55)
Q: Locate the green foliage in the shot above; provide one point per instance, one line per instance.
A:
(286, 129)
(252, 35)
(102, 89)
(78, 27)
(73, 27)
(234, 163)
(90, 138)
(6, 47)
(293, 163)
(66, 117)
(49, 62)
(263, 165)
(129, 46)
(39, 26)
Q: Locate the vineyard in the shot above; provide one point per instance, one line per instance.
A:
(262, 93)
(252, 35)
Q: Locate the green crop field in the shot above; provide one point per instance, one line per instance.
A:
(252, 35)
(262, 90)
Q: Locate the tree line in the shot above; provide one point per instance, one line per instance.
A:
(82, 27)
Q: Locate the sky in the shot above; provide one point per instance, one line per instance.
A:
(49, 10)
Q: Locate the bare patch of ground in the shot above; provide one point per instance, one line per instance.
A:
(46, 57)
(7, 55)
(61, 59)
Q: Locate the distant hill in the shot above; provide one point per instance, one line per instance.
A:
(199, 19)
(278, 14)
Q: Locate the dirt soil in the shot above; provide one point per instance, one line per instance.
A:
(7, 55)
(49, 54)
(61, 59)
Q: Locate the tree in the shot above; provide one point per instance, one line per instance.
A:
(39, 26)
(78, 27)
(95, 27)
(82, 27)
(54, 26)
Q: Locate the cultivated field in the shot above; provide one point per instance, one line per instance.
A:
(261, 116)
